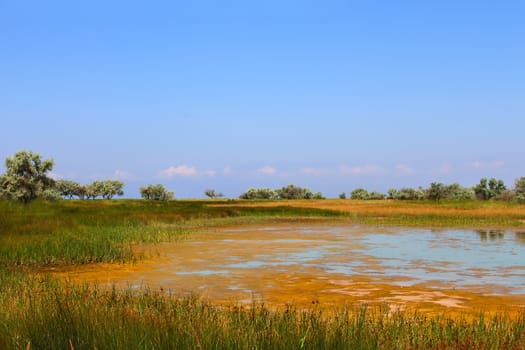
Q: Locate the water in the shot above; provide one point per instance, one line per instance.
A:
(487, 260)
(286, 262)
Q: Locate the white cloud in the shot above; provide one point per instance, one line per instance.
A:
(405, 169)
(185, 170)
(361, 170)
(267, 170)
(227, 171)
(497, 164)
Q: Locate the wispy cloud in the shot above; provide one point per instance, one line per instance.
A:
(123, 175)
(185, 170)
(227, 171)
(310, 171)
(405, 169)
(496, 164)
(361, 170)
(267, 170)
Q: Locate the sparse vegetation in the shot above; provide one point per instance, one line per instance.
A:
(211, 193)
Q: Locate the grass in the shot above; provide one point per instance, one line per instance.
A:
(42, 313)
(39, 312)
(477, 214)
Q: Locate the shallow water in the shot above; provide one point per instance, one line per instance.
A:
(284, 262)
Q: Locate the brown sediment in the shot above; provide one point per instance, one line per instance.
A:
(214, 266)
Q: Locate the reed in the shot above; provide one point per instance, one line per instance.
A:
(43, 313)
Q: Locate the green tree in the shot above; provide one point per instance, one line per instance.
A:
(259, 193)
(294, 192)
(436, 191)
(359, 193)
(342, 195)
(457, 192)
(406, 193)
(94, 190)
(318, 195)
(112, 188)
(376, 195)
(211, 193)
(68, 189)
(26, 177)
(156, 192)
(519, 189)
(488, 189)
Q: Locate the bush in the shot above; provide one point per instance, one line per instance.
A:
(406, 194)
(376, 195)
(156, 192)
(359, 193)
(259, 193)
(294, 192)
(488, 189)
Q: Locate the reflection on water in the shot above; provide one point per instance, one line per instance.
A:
(491, 235)
(520, 237)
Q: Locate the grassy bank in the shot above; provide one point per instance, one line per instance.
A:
(79, 232)
(473, 214)
(39, 312)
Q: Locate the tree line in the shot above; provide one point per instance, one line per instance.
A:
(486, 189)
(26, 178)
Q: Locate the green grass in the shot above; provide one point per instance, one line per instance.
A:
(79, 232)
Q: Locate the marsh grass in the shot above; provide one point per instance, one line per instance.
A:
(39, 312)
(80, 232)
(415, 213)
(44, 313)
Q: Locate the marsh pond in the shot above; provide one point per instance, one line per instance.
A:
(333, 264)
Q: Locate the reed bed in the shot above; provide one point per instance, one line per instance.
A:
(471, 213)
(43, 313)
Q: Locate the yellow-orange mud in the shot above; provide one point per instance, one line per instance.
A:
(299, 286)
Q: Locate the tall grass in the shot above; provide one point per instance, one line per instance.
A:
(42, 313)
(79, 232)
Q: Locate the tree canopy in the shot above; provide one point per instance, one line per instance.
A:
(26, 177)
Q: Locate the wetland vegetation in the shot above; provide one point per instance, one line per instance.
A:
(42, 312)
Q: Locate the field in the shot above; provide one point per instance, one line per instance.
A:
(39, 311)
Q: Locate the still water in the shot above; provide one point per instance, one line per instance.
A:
(489, 261)
(333, 264)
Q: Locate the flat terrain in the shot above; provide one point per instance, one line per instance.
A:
(105, 252)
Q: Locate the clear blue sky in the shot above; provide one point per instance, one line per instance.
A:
(331, 95)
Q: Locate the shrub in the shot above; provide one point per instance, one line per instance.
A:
(156, 192)
(259, 193)
(294, 192)
(359, 193)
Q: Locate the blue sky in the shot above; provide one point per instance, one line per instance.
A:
(331, 95)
